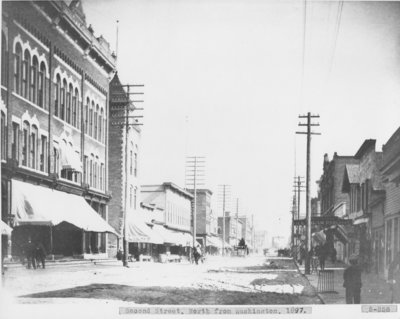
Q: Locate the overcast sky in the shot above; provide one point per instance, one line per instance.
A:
(223, 79)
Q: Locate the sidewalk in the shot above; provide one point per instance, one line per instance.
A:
(374, 290)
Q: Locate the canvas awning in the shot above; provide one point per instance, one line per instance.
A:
(216, 242)
(5, 229)
(69, 158)
(37, 205)
(139, 232)
(168, 236)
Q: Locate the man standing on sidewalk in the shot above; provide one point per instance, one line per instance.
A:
(352, 281)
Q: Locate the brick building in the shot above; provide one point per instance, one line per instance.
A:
(233, 229)
(123, 155)
(333, 202)
(54, 107)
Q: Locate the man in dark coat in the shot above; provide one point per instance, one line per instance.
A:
(352, 281)
(40, 254)
(30, 254)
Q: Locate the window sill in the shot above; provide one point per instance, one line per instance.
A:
(30, 103)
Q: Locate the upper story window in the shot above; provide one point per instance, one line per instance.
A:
(41, 86)
(96, 112)
(4, 61)
(43, 153)
(15, 142)
(86, 116)
(25, 143)
(33, 146)
(57, 95)
(68, 103)
(34, 78)
(75, 110)
(63, 99)
(101, 138)
(25, 75)
(91, 119)
(17, 68)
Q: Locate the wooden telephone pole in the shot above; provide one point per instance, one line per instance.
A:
(308, 199)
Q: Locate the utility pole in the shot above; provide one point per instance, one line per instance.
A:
(308, 199)
(292, 231)
(121, 115)
(298, 188)
(224, 191)
(194, 177)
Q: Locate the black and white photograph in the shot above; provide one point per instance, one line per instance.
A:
(217, 157)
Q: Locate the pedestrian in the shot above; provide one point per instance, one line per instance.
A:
(352, 281)
(196, 254)
(30, 254)
(322, 257)
(333, 255)
(40, 255)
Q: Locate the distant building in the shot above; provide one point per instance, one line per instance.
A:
(175, 222)
(247, 230)
(261, 240)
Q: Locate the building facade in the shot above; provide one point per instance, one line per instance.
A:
(123, 155)
(363, 183)
(175, 222)
(333, 202)
(54, 108)
(390, 170)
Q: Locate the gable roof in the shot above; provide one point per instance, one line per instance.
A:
(351, 176)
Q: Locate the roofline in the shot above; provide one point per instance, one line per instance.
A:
(364, 146)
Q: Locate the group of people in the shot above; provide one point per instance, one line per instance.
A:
(35, 255)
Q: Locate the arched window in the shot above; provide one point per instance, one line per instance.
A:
(57, 101)
(34, 75)
(25, 143)
(95, 175)
(4, 61)
(101, 139)
(25, 74)
(91, 119)
(75, 109)
(56, 160)
(95, 121)
(63, 99)
(86, 116)
(17, 68)
(41, 86)
(91, 173)
(68, 104)
(33, 146)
